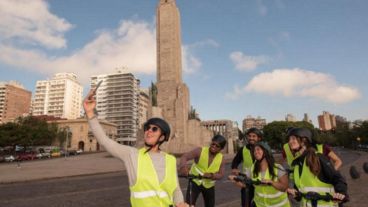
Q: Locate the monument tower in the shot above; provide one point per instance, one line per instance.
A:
(172, 93)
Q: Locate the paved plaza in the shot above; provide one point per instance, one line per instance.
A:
(98, 163)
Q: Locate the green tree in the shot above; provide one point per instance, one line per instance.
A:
(275, 132)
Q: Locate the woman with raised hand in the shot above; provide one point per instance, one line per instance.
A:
(152, 173)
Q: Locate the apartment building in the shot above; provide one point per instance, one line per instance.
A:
(118, 102)
(60, 97)
(326, 121)
(250, 122)
(15, 101)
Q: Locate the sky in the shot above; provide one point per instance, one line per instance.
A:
(240, 57)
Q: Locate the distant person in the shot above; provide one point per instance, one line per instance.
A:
(209, 163)
(313, 171)
(152, 173)
(246, 156)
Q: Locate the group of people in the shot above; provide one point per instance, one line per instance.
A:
(153, 174)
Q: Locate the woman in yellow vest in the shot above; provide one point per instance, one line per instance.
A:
(289, 154)
(245, 156)
(208, 162)
(152, 174)
(313, 172)
(273, 179)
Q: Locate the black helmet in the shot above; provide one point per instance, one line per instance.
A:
(219, 139)
(162, 124)
(301, 133)
(264, 146)
(256, 131)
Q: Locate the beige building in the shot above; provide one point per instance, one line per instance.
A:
(15, 101)
(81, 136)
(118, 102)
(326, 121)
(60, 97)
(290, 118)
(226, 128)
(143, 106)
(173, 102)
(251, 122)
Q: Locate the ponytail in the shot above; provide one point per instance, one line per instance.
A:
(312, 160)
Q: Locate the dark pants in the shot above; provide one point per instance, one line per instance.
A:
(207, 193)
(246, 200)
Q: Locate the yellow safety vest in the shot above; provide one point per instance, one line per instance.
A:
(266, 195)
(147, 191)
(290, 157)
(308, 182)
(247, 160)
(202, 167)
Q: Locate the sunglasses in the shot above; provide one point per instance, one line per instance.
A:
(215, 145)
(152, 128)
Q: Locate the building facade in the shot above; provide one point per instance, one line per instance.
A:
(143, 106)
(290, 118)
(60, 97)
(251, 122)
(118, 102)
(80, 136)
(326, 121)
(172, 95)
(15, 101)
(226, 128)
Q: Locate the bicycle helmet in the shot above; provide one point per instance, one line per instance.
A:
(256, 131)
(162, 124)
(301, 133)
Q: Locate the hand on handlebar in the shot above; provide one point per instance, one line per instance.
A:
(338, 196)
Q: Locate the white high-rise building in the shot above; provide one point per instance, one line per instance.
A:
(60, 97)
(118, 102)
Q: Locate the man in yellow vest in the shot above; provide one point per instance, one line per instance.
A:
(152, 174)
(208, 163)
(246, 156)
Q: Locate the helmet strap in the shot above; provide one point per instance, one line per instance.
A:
(158, 143)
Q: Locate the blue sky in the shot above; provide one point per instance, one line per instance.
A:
(240, 57)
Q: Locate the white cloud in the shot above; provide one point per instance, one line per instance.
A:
(30, 22)
(132, 44)
(299, 83)
(191, 64)
(247, 63)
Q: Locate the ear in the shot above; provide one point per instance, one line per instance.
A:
(162, 138)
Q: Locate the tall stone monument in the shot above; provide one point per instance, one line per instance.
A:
(172, 93)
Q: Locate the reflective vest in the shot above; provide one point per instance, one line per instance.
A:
(267, 195)
(147, 191)
(308, 182)
(202, 167)
(247, 160)
(290, 157)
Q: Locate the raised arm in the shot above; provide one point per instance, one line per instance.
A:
(115, 149)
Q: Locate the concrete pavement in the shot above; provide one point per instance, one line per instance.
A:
(103, 163)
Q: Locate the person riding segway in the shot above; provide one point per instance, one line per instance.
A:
(313, 172)
(246, 157)
(152, 174)
(208, 166)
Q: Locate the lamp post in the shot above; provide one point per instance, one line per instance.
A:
(66, 141)
(358, 139)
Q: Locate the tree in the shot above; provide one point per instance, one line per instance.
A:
(27, 131)
(275, 132)
(153, 94)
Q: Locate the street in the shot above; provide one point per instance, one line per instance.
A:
(110, 189)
